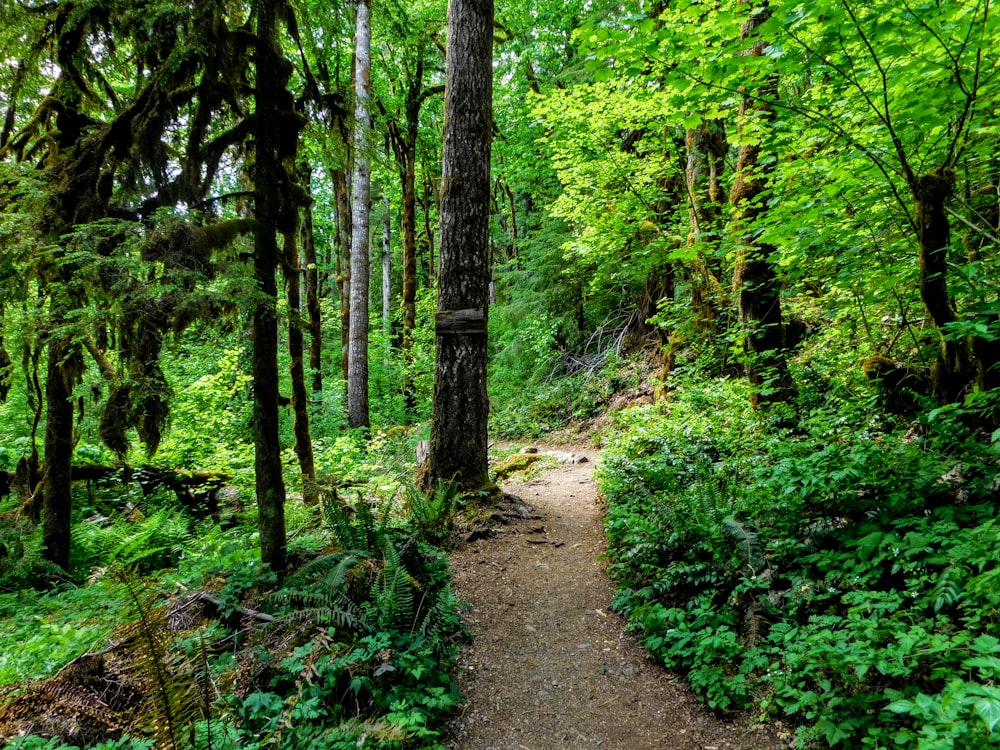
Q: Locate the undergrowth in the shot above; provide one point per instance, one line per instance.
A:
(353, 649)
(841, 573)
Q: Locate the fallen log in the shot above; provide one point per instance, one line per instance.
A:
(196, 490)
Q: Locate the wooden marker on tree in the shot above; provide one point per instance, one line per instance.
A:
(461, 408)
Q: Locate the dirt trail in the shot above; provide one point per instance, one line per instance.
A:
(550, 666)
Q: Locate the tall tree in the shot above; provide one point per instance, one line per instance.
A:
(403, 131)
(113, 153)
(273, 117)
(458, 447)
(310, 269)
(296, 366)
(386, 272)
(357, 360)
(755, 277)
(342, 249)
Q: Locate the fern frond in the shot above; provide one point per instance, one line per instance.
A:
(329, 570)
(173, 702)
(748, 544)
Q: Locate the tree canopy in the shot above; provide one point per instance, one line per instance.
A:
(796, 202)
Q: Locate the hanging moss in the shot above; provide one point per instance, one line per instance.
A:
(116, 418)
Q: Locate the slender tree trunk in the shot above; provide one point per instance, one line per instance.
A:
(267, 445)
(357, 363)
(5, 361)
(342, 191)
(296, 353)
(312, 294)
(458, 447)
(57, 502)
(431, 198)
(386, 275)
(755, 278)
(514, 252)
(706, 147)
(408, 230)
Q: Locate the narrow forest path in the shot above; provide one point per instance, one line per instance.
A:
(550, 666)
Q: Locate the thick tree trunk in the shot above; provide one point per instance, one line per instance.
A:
(297, 370)
(755, 278)
(311, 272)
(461, 408)
(270, 485)
(357, 361)
(57, 503)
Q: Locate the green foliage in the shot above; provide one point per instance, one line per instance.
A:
(41, 743)
(432, 514)
(147, 542)
(839, 574)
(378, 668)
(41, 632)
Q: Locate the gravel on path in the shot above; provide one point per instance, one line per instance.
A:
(550, 665)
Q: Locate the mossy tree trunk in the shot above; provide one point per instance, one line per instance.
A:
(342, 192)
(755, 277)
(272, 75)
(57, 502)
(458, 447)
(931, 192)
(706, 148)
(297, 370)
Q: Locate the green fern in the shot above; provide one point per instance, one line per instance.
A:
(948, 588)
(320, 590)
(392, 604)
(748, 545)
(174, 702)
(432, 514)
(354, 527)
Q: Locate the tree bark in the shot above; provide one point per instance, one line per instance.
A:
(311, 272)
(461, 408)
(706, 147)
(345, 233)
(296, 353)
(57, 504)
(270, 486)
(755, 278)
(387, 275)
(357, 361)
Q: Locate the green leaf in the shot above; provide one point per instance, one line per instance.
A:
(988, 709)
(900, 707)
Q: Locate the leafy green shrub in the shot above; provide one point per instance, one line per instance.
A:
(843, 574)
(378, 668)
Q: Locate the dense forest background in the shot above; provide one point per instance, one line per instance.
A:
(750, 247)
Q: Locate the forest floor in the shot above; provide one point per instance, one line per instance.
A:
(550, 665)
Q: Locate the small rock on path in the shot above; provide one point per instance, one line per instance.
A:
(550, 666)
